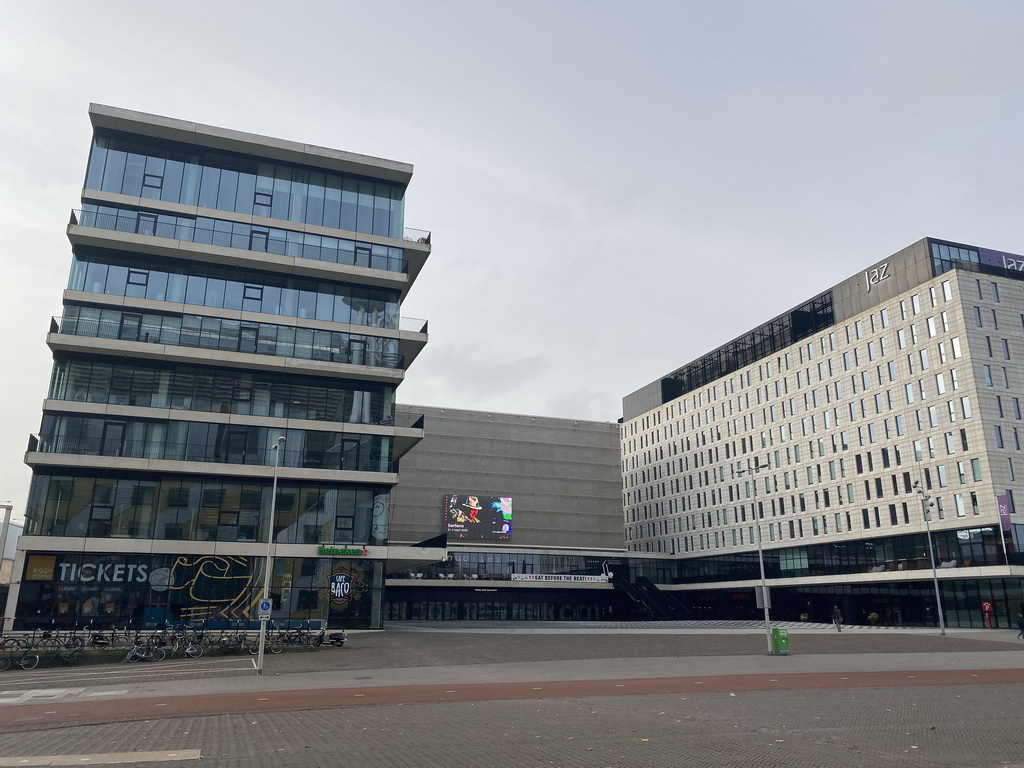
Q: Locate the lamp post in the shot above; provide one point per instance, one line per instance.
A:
(926, 505)
(760, 553)
(276, 448)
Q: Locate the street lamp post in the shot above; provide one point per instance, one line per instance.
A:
(926, 505)
(276, 448)
(760, 553)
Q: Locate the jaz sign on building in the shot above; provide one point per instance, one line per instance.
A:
(875, 275)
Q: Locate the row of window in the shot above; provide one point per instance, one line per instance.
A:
(833, 391)
(974, 546)
(745, 536)
(219, 443)
(206, 509)
(176, 173)
(844, 494)
(218, 390)
(231, 336)
(246, 237)
(805, 352)
(652, 465)
(208, 285)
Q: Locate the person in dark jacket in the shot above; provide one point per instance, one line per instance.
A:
(837, 618)
(1020, 624)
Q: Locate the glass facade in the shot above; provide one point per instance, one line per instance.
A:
(212, 442)
(146, 591)
(180, 173)
(202, 332)
(177, 394)
(207, 508)
(284, 242)
(139, 276)
(220, 390)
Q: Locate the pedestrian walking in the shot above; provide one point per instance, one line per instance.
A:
(837, 618)
(1020, 624)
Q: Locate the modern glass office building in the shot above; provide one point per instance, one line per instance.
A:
(856, 437)
(225, 290)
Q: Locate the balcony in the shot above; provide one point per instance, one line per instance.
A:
(345, 456)
(224, 337)
(408, 432)
(416, 236)
(245, 237)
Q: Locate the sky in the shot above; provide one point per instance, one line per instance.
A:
(613, 188)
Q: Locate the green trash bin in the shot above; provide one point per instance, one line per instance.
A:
(780, 641)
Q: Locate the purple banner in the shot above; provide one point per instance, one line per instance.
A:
(1004, 511)
(1008, 261)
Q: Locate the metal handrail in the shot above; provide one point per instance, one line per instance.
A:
(331, 459)
(113, 329)
(259, 240)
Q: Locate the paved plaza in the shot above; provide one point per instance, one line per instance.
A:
(475, 694)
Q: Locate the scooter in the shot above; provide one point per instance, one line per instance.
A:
(338, 639)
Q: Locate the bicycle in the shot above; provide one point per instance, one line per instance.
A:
(144, 652)
(191, 644)
(118, 639)
(24, 657)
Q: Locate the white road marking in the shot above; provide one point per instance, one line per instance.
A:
(110, 758)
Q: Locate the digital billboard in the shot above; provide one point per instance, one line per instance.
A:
(479, 518)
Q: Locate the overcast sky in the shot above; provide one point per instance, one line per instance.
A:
(614, 188)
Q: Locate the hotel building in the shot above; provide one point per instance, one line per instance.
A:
(839, 433)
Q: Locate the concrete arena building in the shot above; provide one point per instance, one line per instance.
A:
(833, 429)
(226, 289)
(563, 482)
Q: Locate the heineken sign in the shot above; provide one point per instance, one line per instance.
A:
(322, 550)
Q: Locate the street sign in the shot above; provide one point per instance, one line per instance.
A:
(265, 607)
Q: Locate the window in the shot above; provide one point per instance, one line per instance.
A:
(998, 430)
(955, 344)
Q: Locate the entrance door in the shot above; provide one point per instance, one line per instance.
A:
(130, 327)
(236, 444)
(247, 338)
(113, 438)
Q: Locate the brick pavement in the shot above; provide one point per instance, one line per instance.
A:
(974, 724)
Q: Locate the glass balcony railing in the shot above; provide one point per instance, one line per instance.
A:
(245, 237)
(417, 235)
(231, 336)
(330, 458)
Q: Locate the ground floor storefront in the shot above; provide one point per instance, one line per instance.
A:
(978, 603)
(496, 603)
(146, 591)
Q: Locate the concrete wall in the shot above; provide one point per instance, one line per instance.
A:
(563, 477)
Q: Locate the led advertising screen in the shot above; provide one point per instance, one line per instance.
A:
(479, 518)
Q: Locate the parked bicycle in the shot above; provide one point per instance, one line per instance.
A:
(25, 657)
(112, 638)
(142, 650)
(190, 643)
